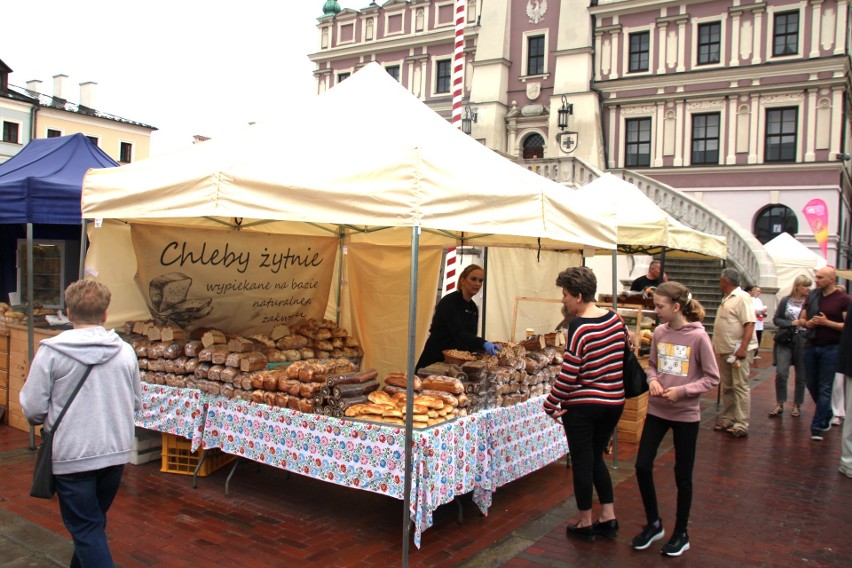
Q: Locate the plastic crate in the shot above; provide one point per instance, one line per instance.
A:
(177, 457)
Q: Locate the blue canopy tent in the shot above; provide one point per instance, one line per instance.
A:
(41, 185)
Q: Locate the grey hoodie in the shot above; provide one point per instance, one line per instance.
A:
(97, 431)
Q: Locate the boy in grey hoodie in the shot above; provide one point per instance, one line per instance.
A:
(95, 437)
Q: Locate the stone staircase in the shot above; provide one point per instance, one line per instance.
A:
(702, 279)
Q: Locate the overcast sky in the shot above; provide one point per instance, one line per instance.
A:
(185, 66)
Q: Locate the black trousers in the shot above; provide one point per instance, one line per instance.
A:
(685, 435)
(588, 429)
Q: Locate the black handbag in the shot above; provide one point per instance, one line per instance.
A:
(43, 486)
(635, 379)
(785, 335)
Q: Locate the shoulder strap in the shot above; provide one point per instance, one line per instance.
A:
(71, 398)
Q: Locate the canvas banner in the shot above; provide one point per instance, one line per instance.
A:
(239, 282)
(816, 213)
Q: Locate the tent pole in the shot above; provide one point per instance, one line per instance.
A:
(615, 307)
(30, 294)
(340, 246)
(84, 244)
(409, 391)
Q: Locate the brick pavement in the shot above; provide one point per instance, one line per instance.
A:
(773, 499)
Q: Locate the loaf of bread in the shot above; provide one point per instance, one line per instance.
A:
(192, 348)
(241, 345)
(201, 369)
(379, 397)
(253, 362)
(400, 380)
(214, 337)
(444, 384)
(448, 398)
(228, 374)
(292, 342)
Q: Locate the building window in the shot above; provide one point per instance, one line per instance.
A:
(637, 147)
(781, 134)
(773, 220)
(51, 133)
(533, 147)
(786, 34)
(535, 55)
(342, 77)
(126, 153)
(442, 76)
(709, 43)
(640, 46)
(93, 139)
(393, 71)
(11, 132)
(705, 138)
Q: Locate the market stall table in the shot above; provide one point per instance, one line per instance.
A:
(477, 453)
(449, 459)
(173, 410)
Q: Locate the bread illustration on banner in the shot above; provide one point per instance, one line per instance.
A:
(169, 303)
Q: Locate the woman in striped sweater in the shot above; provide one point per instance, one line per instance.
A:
(588, 396)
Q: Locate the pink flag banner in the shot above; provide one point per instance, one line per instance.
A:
(816, 213)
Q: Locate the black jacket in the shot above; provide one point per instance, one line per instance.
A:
(454, 326)
(844, 353)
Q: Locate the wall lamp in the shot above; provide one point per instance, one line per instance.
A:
(468, 118)
(566, 110)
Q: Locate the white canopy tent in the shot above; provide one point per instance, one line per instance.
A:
(367, 162)
(643, 227)
(791, 259)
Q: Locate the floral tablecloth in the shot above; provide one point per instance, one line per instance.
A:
(172, 410)
(477, 453)
(522, 439)
(449, 459)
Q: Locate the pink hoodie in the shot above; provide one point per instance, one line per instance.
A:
(682, 358)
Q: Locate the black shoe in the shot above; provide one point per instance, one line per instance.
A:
(582, 533)
(649, 534)
(677, 545)
(608, 529)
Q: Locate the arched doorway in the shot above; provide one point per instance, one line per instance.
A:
(773, 220)
(533, 147)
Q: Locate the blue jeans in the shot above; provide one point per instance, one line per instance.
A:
(84, 499)
(820, 365)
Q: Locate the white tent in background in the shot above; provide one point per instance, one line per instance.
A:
(643, 227)
(791, 258)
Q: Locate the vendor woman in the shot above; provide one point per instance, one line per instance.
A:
(456, 320)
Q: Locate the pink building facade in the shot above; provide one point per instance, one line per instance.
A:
(744, 106)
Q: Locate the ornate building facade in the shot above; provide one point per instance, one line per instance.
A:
(743, 106)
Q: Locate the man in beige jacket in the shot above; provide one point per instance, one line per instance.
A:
(734, 342)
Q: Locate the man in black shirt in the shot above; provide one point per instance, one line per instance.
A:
(654, 278)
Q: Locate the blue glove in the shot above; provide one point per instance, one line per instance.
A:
(490, 348)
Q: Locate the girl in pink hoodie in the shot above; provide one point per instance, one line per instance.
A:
(681, 367)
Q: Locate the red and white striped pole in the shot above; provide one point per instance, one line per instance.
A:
(450, 271)
(458, 64)
(458, 95)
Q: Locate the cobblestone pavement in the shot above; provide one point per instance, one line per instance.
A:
(772, 499)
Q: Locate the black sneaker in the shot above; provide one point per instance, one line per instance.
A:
(816, 435)
(649, 534)
(677, 545)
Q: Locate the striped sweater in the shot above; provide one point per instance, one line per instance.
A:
(592, 365)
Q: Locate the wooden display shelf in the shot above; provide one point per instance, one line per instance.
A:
(19, 368)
